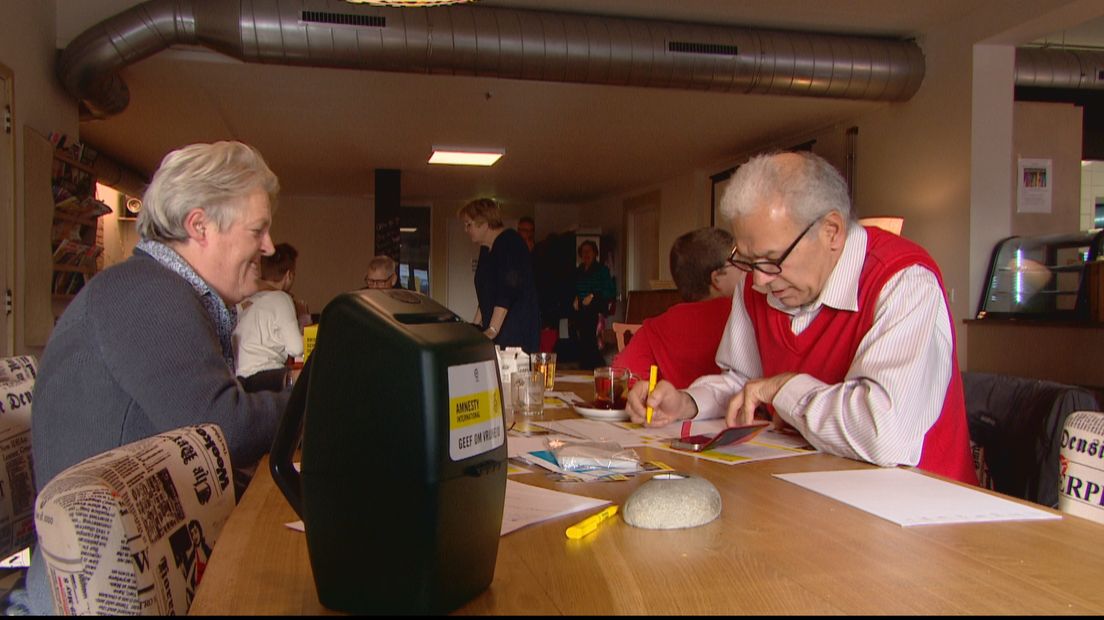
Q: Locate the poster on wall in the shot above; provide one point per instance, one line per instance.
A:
(1034, 186)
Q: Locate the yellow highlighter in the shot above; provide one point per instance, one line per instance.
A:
(591, 523)
(651, 388)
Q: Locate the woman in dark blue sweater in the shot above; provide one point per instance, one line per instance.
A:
(508, 311)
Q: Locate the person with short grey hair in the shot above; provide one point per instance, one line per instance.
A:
(842, 333)
(811, 187)
(381, 273)
(211, 177)
(145, 347)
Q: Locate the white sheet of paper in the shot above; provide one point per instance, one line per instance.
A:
(527, 504)
(909, 498)
(595, 430)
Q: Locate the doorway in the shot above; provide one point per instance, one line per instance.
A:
(642, 233)
(7, 211)
(414, 248)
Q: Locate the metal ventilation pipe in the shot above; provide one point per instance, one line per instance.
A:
(1059, 68)
(492, 42)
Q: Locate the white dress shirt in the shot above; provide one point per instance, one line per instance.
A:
(893, 391)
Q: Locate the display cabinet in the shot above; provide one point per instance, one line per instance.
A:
(1042, 277)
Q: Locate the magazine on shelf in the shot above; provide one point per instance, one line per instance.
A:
(76, 254)
(89, 208)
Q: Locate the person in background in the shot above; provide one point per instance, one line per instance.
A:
(267, 334)
(843, 332)
(507, 309)
(527, 228)
(145, 347)
(381, 273)
(594, 290)
(302, 311)
(682, 342)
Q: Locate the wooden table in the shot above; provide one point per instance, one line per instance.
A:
(776, 549)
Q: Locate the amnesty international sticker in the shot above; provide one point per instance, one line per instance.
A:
(475, 410)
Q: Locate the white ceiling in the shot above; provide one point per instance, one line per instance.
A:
(324, 131)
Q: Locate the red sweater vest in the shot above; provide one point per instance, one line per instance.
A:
(826, 348)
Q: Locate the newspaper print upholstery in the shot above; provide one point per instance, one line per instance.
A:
(130, 531)
(17, 488)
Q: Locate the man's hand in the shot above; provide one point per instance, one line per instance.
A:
(756, 393)
(669, 404)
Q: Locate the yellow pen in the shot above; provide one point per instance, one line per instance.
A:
(651, 388)
(591, 523)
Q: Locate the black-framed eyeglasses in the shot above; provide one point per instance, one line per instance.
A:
(374, 283)
(771, 267)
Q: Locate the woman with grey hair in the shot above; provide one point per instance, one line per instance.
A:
(145, 346)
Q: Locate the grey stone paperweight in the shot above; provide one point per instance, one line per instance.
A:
(672, 501)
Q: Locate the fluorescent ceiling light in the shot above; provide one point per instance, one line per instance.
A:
(408, 229)
(464, 156)
(408, 3)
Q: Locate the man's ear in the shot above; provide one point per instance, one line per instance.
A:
(196, 225)
(834, 230)
(715, 278)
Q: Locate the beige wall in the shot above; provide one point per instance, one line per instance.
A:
(1049, 131)
(335, 237)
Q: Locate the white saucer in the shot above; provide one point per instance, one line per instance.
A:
(612, 415)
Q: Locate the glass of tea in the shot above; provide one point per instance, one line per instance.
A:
(611, 384)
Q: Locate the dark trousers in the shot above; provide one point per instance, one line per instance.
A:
(268, 380)
(583, 330)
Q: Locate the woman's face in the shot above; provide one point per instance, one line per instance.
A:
(586, 253)
(232, 256)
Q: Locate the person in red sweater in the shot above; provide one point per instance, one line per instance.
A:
(844, 332)
(682, 342)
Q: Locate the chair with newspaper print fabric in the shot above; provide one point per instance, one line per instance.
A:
(17, 489)
(1081, 486)
(130, 531)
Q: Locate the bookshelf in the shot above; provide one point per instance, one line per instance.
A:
(76, 238)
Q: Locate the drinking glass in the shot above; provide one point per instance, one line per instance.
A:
(528, 388)
(611, 385)
(545, 363)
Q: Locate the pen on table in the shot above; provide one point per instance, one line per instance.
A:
(651, 388)
(591, 523)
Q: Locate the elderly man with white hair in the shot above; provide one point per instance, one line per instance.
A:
(843, 332)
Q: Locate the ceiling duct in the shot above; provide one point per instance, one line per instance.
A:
(1050, 67)
(492, 42)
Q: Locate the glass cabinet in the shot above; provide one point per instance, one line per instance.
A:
(1041, 277)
